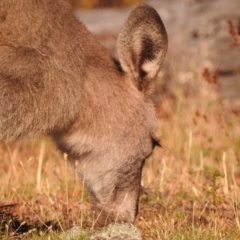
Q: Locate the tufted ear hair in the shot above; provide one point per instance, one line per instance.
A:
(142, 45)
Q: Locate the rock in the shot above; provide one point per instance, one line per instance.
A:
(114, 231)
(117, 231)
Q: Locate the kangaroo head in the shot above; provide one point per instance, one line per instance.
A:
(116, 132)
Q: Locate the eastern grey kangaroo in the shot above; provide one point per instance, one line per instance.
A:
(56, 79)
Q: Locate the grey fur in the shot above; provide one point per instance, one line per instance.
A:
(56, 79)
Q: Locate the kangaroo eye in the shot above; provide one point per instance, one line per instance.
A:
(142, 74)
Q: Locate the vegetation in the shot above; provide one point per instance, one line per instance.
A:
(191, 186)
(102, 3)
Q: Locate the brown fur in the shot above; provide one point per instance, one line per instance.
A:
(56, 79)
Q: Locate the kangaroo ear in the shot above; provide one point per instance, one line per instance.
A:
(142, 45)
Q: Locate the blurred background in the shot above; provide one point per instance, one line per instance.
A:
(197, 29)
(102, 3)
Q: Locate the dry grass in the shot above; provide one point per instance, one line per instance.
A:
(190, 185)
(87, 4)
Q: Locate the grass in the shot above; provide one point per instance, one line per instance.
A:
(88, 4)
(193, 181)
(190, 185)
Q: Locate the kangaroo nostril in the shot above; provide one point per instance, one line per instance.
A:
(156, 142)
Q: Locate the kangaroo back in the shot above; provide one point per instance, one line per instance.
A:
(42, 67)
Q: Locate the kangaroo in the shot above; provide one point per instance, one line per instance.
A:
(56, 79)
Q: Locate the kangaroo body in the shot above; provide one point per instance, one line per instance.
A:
(56, 79)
